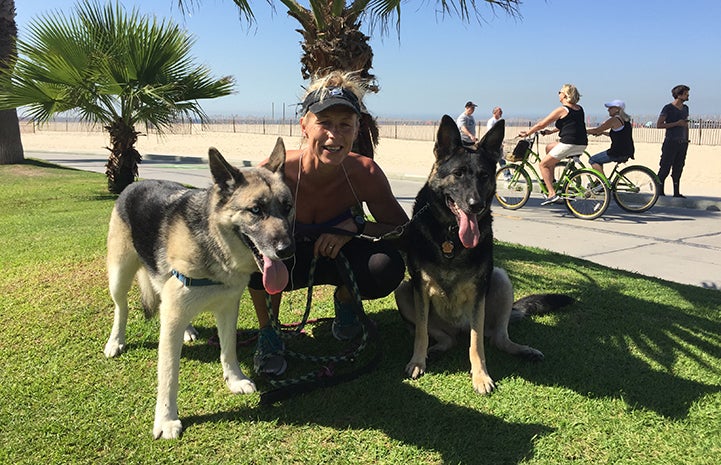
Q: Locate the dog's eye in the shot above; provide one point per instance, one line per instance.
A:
(459, 172)
(288, 208)
(255, 210)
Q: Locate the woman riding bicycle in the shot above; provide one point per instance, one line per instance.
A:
(570, 123)
(618, 128)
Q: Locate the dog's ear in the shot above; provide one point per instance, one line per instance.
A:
(224, 174)
(276, 162)
(493, 139)
(448, 138)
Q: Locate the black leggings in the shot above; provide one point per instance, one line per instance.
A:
(378, 268)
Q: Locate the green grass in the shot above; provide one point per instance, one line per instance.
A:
(632, 373)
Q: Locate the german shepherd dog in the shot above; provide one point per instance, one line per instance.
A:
(454, 287)
(193, 250)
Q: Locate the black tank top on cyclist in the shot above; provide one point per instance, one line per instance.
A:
(572, 128)
(621, 143)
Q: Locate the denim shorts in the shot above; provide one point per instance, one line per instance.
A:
(600, 158)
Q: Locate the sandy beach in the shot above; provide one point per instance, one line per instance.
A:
(407, 158)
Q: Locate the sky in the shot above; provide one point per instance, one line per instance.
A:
(635, 51)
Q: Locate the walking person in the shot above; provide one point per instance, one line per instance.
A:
(570, 123)
(467, 124)
(497, 114)
(674, 119)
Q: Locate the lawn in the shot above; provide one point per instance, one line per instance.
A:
(632, 373)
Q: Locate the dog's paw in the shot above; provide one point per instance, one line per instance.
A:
(415, 369)
(113, 348)
(483, 384)
(191, 334)
(531, 354)
(241, 386)
(169, 429)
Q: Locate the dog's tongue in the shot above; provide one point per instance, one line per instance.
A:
(468, 230)
(275, 275)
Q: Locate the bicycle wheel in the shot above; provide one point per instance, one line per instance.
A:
(586, 194)
(635, 189)
(513, 186)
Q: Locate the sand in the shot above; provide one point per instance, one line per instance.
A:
(398, 158)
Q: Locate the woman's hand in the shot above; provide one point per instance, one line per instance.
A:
(328, 244)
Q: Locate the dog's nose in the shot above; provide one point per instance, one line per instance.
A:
(475, 205)
(285, 249)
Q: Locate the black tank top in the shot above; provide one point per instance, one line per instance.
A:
(621, 143)
(572, 128)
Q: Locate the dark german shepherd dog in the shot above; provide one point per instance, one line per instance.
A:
(454, 287)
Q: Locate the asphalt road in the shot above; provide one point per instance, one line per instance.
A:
(676, 244)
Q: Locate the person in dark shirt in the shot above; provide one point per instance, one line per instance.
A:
(674, 119)
(570, 124)
(618, 128)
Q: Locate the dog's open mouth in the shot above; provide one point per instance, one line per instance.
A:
(275, 273)
(468, 231)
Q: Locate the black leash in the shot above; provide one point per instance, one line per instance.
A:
(325, 376)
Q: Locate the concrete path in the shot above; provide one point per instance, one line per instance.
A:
(678, 240)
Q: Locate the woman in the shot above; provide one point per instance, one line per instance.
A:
(618, 128)
(330, 183)
(570, 123)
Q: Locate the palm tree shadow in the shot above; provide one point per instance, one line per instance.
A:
(610, 344)
(384, 401)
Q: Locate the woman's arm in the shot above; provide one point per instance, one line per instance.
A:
(551, 118)
(610, 123)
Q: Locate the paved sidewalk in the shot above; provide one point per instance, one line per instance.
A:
(678, 240)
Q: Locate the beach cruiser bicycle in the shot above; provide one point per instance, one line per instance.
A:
(585, 191)
(635, 188)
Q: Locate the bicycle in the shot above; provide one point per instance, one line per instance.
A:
(635, 188)
(585, 191)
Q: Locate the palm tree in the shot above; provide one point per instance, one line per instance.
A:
(110, 68)
(332, 38)
(11, 148)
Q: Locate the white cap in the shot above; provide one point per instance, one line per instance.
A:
(616, 103)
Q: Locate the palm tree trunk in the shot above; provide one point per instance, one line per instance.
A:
(122, 166)
(11, 147)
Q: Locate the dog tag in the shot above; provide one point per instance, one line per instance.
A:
(447, 247)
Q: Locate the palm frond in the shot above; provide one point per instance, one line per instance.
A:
(107, 64)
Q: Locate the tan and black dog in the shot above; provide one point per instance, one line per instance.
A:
(194, 250)
(454, 287)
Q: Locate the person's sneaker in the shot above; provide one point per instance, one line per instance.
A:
(268, 358)
(550, 200)
(345, 324)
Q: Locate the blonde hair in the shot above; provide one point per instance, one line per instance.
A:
(347, 80)
(623, 115)
(571, 93)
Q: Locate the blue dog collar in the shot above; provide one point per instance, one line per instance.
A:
(187, 281)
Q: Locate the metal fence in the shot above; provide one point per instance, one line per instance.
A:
(701, 132)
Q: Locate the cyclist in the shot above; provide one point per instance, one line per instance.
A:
(618, 128)
(570, 123)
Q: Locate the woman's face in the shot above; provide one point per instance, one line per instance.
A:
(613, 111)
(330, 133)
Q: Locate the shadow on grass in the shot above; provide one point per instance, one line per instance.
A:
(384, 401)
(616, 345)
(609, 344)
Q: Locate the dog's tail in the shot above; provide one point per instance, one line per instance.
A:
(538, 304)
